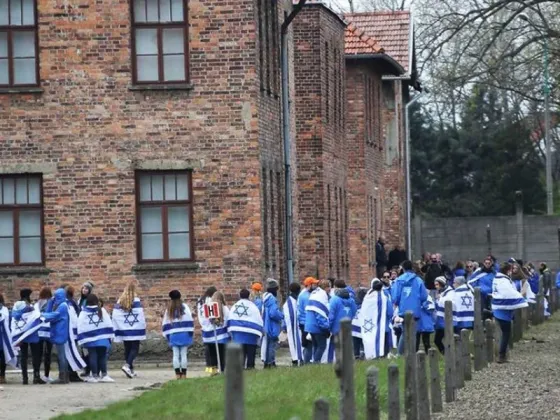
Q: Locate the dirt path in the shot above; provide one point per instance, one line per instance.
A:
(526, 388)
(45, 401)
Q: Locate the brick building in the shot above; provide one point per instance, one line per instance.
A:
(139, 141)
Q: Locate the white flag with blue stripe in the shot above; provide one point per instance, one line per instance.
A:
(176, 325)
(292, 329)
(222, 335)
(505, 296)
(319, 303)
(356, 328)
(28, 324)
(373, 323)
(129, 325)
(205, 323)
(45, 329)
(463, 307)
(10, 352)
(92, 327)
(245, 317)
(447, 295)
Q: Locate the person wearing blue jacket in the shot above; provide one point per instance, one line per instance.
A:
(341, 305)
(31, 342)
(409, 294)
(309, 284)
(272, 318)
(317, 319)
(483, 278)
(60, 324)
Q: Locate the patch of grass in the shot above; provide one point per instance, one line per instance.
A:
(278, 394)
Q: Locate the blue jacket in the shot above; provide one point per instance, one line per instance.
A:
(180, 339)
(503, 314)
(426, 321)
(33, 338)
(409, 294)
(258, 303)
(315, 323)
(272, 317)
(341, 305)
(244, 338)
(558, 280)
(484, 281)
(302, 300)
(534, 283)
(459, 272)
(58, 318)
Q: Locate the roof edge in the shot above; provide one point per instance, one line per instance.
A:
(327, 8)
(379, 56)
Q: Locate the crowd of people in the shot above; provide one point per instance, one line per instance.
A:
(83, 331)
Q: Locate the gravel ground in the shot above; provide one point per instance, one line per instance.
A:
(528, 387)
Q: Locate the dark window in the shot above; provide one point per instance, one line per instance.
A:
(264, 184)
(327, 82)
(160, 50)
(267, 21)
(21, 220)
(329, 228)
(19, 63)
(164, 216)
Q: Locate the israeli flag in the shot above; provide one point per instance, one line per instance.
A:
(373, 323)
(530, 295)
(356, 328)
(173, 326)
(505, 296)
(73, 356)
(447, 295)
(245, 317)
(319, 303)
(463, 306)
(222, 335)
(27, 325)
(129, 325)
(205, 323)
(10, 352)
(292, 328)
(45, 329)
(92, 327)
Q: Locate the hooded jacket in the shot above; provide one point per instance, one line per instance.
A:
(18, 314)
(272, 316)
(341, 305)
(483, 278)
(409, 294)
(302, 300)
(58, 318)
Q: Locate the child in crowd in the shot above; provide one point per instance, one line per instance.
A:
(206, 326)
(221, 334)
(245, 325)
(178, 328)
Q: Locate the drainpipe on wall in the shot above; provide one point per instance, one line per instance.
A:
(285, 69)
(408, 186)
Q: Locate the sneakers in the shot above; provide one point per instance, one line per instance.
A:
(127, 371)
(46, 379)
(91, 379)
(134, 374)
(208, 369)
(107, 379)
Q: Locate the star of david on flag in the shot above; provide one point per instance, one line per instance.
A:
(241, 310)
(368, 325)
(94, 322)
(132, 321)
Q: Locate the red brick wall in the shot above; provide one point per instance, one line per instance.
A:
(88, 133)
(322, 167)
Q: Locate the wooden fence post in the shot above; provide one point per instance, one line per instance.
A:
(466, 355)
(372, 389)
(449, 355)
(459, 374)
(532, 313)
(423, 396)
(489, 324)
(539, 310)
(479, 359)
(344, 369)
(394, 399)
(321, 410)
(235, 402)
(435, 381)
(410, 397)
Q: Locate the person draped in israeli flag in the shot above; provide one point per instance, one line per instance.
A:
(245, 325)
(178, 328)
(463, 305)
(375, 316)
(290, 325)
(221, 336)
(272, 318)
(444, 293)
(26, 322)
(317, 321)
(206, 326)
(9, 352)
(95, 333)
(505, 300)
(356, 327)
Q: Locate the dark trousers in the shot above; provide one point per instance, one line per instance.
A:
(425, 339)
(358, 346)
(214, 355)
(2, 364)
(249, 355)
(438, 340)
(131, 349)
(505, 326)
(306, 345)
(97, 360)
(35, 357)
(46, 351)
(319, 346)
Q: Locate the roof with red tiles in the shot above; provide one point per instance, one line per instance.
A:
(358, 42)
(390, 30)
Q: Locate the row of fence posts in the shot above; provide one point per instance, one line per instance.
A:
(423, 393)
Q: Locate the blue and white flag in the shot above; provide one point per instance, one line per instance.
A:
(45, 329)
(176, 325)
(356, 328)
(447, 295)
(463, 307)
(73, 319)
(10, 352)
(529, 295)
(245, 317)
(129, 325)
(205, 323)
(319, 303)
(505, 296)
(264, 342)
(28, 324)
(373, 323)
(292, 328)
(92, 327)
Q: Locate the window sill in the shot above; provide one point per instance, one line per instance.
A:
(24, 270)
(156, 87)
(19, 90)
(166, 266)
